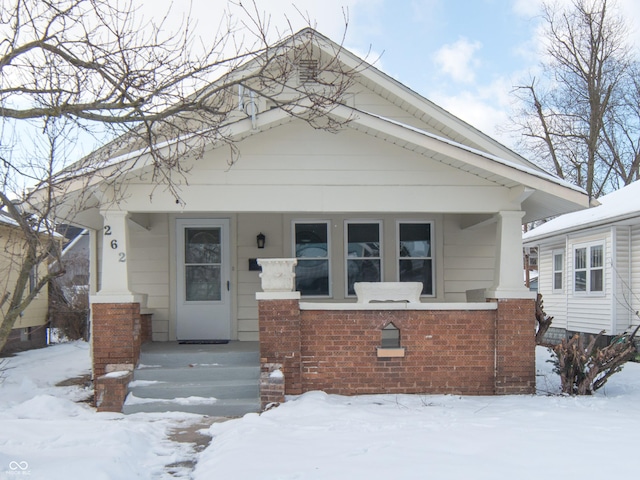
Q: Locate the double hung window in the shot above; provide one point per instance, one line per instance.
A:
(588, 269)
(312, 251)
(415, 255)
(558, 264)
(363, 252)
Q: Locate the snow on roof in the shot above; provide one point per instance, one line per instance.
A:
(7, 220)
(618, 205)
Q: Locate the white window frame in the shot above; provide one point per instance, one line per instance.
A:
(554, 271)
(328, 257)
(589, 269)
(432, 257)
(346, 251)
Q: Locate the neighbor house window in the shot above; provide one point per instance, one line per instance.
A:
(363, 262)
(558, 263)
(588, 269)
(312, 251)
(415, 255)
(33, 278)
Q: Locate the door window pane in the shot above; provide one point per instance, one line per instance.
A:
(312, 252)
(202, 264)
(202, 283)
(202, 245)
(416, 262)
(363, 254)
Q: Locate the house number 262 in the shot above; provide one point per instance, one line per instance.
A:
(122, 257)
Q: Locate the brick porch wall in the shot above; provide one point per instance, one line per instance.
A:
(471, 352)
(515, 329)
(445, 352)
(116, 336)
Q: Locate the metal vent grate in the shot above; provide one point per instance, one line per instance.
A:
(308, 71)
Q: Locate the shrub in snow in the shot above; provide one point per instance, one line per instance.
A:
(3, 367)
(585, 369)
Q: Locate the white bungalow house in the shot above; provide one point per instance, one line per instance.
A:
(403, 191)
(589, 266)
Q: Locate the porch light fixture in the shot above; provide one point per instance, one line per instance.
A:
(260, 239)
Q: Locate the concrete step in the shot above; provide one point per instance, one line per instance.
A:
(215, 380)
(220, 389)
(198, 358)
(218, 408)
(197, 373)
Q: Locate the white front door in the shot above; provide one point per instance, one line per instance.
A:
(203, 279)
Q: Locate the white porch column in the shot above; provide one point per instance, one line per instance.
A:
(114, 280)
(508, 273)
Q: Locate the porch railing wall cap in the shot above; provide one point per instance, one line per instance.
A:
(399, 306)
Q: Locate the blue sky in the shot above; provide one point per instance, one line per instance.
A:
(465, 55)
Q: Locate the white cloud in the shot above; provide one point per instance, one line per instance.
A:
(457, 60)
(486, 108)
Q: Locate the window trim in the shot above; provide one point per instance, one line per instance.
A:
(431, 224)
(346, 251)
(328, 258)
(554, 254)
(588, 269)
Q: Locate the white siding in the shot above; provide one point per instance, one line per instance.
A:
(248, 282)
(590, 313)
(295, 168)
(635, 272)
(621, 278)
(148, 263)
(555, 302)
(468, 258)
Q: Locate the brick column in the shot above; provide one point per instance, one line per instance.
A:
(280, 339)
(515, 347)
(115, 337)
(279, 324)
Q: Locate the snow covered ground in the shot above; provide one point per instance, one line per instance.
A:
(44, 433)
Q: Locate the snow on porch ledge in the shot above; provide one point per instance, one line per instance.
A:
(399, 306)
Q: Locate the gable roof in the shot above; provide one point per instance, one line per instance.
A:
(618, 206)
(454, 142)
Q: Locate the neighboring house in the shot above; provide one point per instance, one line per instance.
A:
(403, 191)
(30, 331)
(589, 266)
(69, 293)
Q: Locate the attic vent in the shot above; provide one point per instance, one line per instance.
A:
(308, 71)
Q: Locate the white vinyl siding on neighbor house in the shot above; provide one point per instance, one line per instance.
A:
(635, 272)
(590, 312)
(555, 301)
(621, 279)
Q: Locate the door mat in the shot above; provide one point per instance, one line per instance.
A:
(203, 342)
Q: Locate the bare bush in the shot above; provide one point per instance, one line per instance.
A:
(583, 369)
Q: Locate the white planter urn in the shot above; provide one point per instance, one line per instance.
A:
(278, 274)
